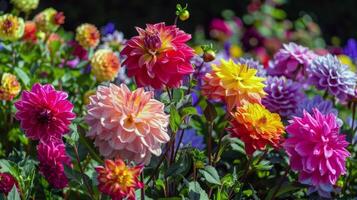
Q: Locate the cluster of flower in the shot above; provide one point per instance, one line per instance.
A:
(128, 127)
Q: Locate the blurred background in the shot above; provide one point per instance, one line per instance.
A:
(335, 17)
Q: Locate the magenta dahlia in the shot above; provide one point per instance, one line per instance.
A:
(7, 182)
(317, 150)
(52, 156)
(44, 112)
(158, 56)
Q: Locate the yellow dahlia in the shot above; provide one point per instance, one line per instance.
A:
(87, 35)
(105, 65)
(49, 20)
(9, 87)
(11, 27)
(257, 127)
(233, 83)
(119, 181)
(25, 5)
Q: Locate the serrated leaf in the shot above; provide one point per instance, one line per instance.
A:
(13, 194)
(22, 75)
(211, 175)
(195, 192)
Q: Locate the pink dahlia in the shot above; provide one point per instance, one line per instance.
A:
(158, 56)
(127, 125)
(52, 156)
(317, 150)
(220, 29)
(44, 112)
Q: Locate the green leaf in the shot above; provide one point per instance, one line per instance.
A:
(82, 64)
(178, 94)
(180, 167)
(263, 165)
(23, 76)
(211, 175)
(195, 192)
(73, 175)
(54, 46)
(188, 111)
(73, 138)
(285, 188)
(13, 194)
(8, 166)
(175, 119)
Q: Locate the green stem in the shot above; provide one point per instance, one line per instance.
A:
(353, 115)
(143, 188)
(176, 18)
(325, 94)
(209, 142)
(89, 188)
(179, 143)
(280, 182)
(245, 175)
(215, 159)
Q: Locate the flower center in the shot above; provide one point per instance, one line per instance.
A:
(152, 41)
(7, 25)
(45, 116)
(93, 36)
(262, 120)
(121, 177)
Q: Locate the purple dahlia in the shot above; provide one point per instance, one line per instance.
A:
(283, 95)
(324, 106)
(328, 73)
(291, 61)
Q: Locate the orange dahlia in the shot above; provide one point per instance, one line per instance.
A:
(233, 83)
(30, 31)
(87, 35)
(105, 65)
(118, 180)
(257, 127)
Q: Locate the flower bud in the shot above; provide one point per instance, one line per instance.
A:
(184, 15)
(209, 56)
